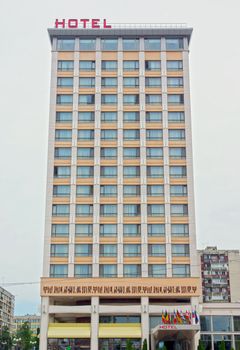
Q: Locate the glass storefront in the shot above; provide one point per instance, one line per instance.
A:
(118, 344)
(73, 344)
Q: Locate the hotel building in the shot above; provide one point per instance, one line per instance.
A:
(7, 302)
(120, 244)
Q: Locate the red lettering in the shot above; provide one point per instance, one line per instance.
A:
(72, 23)
(105, 25)
(95, 23)
(59, 23)
(84, 21)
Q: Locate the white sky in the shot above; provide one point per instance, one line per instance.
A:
(24, 101)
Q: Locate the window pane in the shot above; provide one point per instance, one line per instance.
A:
(153, 65)
(179, 229)
(157, 270)
(156, 229)
(130, 44)
(176, 117)
(85, 117)
(109, 65)
(222, 323)
(63, 117)
(174, 44)
(130, 65)
(205, 323)
(131, 229)
(87, 44)
(86, 65)
(108, 270)
(131, 249)
(152, 44)
(108, 230)
(62, 152)
(86, 99)
(108, 134)
(108, 190)
(65, 65)
(83, 229)
(181, 270)
(109, 152)
(131, 270)
(174, 65)
(65, 82)
(109, 44)
(109, 116)
(153, 116)
(130, 99)
(60, 230)
(65, 44)
(83, 270)
(86, 82)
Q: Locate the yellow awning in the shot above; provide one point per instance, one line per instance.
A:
(120, 330)
(69, 330)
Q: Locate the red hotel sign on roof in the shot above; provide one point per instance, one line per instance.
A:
(92, 23)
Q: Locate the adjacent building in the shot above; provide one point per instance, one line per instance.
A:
(32, 320)
(7, 301)
(120, 259)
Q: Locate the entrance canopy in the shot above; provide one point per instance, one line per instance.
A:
(174, 332)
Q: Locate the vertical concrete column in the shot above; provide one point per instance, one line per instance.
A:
(145, 318)
(120, 160)
(44, 323)
(166, 157)
(143, 160)
(72, 219)
(94, 322)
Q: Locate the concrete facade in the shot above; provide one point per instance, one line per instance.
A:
(7, 301)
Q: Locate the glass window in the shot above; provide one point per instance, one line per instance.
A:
(176, 117)
(153, 99)
(108, 209)
(86, 99)
(178, 171)
(87, 44)
(108, 171)
(219, 339)
(175, 99)
(108, 190)
(157, 270)
(131, 210)
(155, 209)
(176, 134)
(236, 321)
(152, 82)
(153, 117)
(109, 152)
(84, 210)
(156, 250)
(64, 99)
(205, 323)
(180, 250)
(130, 99)
(179, 209)
(153, 65)
(109, 99)
(174, 65)
(131, 116)
(130, 65)
(131, 270)
(179, 230)
(131, 190)
(152, 44)
(175, 82)
(85, 152)
(130, 44)
(131, 249)
(180, 270)
(109, 82)
(109, 44)
(65, 44)
(131, 134)
(108, 250)
(62, 171)
(65, 82)
(155, 152)
(84, 190)
(222, 323)
(63, 135)
(155, 171)
(177, 152)
(155, 190)
(206, 341)
(108, 230)
(131, 230)
(62, 152)
(59, 270)
(131, 152)
(83, 270)
(83, 229)
(154, 134)
(83, 250)
(108, 134)
(85, 117)
(109, 117)
(60, 230)
(85, 134)
(85, 171)
(63, 117)
(86, 65)
(61, 190)
(109, 65)
(237, 342)
(130, 82)
(65, 65)
(174, 43)
(131, 171)
(178, 190)
(86, 82)
(108, 270)
(156, 230)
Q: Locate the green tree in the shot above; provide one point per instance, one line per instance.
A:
(5, 338)
(144, 346)
(26, 336)
(222, 345)
(201, 345)
(129, 345)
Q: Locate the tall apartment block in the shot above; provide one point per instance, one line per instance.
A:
(7, 301)
(120, 260)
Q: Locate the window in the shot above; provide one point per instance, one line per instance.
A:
(109, 117)
(65, 66)
(131, 171)
(154, 152)
(59, 270)
(176, 117)
(65, 44)
(60, 250)
(176, 134)
(63, 135)
(177, 153)
(156, 270)
(85, 152)
(109, 44)
(156, 250)
(178, 171)
(131, 270)
(61, 190)
(153, 99)
(64, 117)
(108, 209)
(174, 44)
(131, 190)
(131, 230)
(120, 319)
(131, 116)
(108, 171)
(236, 322)
(152, 44)
(179, 230)
(87, 44)
(64, 99)
(179, 209)
(86, 65)
(131, 249)
(131, 209)
(175, 82)
(155, 190)
(154, 134)
(153, 82)
(85, 117)
(85, 134)
(109, 65)
(85, 171)
(153, 65)
(108, 134)
(86, 82)
(130, 99)
(174, 65)
(62, 171)
(130, 82)
(131, 152)
(130, 65)
(83, 270)
(205, 323)
(108, 230)
(109, 82)
(180, 270)
(178, 190)
(131, 134)
(222, 323)
(206, 341)
(86, 99)
(155, 209)
(180, 250)
(153, 117)
(109, 152)
(60, 230)
(84, 190)
(108, 190)
(109, 99)
(155, 171)
(65, 82)
(130, 44)
(108, 250)
(83, 250)
(237, 342)
(175, 99)
(108, 270)
(156, 230)
(84, 210)
(62, 152)
(83, 230)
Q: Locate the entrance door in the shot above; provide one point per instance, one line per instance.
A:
(173, 345)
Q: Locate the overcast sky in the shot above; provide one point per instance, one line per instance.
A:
(24, 101)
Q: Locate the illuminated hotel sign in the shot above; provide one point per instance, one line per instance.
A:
(73, 23)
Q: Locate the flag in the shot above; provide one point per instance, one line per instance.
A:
(163, 318)
(196, 317)
(167, 318)
(174, 317)
(188, 317)
(179, 318)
